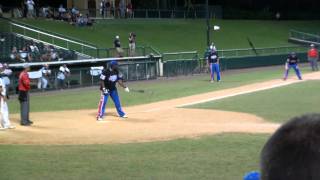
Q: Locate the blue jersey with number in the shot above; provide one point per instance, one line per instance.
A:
(213, 57)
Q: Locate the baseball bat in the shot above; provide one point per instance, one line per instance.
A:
(252, 46)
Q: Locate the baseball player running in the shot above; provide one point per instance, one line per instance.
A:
(292, 62)
(108, 79)
(213, 63)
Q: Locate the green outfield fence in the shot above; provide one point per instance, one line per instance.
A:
(257, 61)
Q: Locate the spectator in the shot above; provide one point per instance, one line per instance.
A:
(313, 56)
(1, 12)
(45, 12)
(132, 44)
(129, 10)
(108, 8)
(63, 73)
(88, 20)
(117, 45)
(24, 8)
(54, 56)
(103, 8)
(80, 20)
(278, 16)
(14, 54)
(122, 8)
(17, 13)
(62, 11)
(292, 152)
(30, 5)
(5, 122)
(43, 81)
(24, 55)
(24, 87)
(33, 51)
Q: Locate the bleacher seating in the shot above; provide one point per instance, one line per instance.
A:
(10, 40)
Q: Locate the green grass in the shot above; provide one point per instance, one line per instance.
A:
(221, 157)
(182, 35)
(154, 91)
(277, 105)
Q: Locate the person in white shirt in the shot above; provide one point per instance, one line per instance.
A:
(4, 110)
(30, 5)
(24, 55)
(44, 79)
(62, 74)
(5, 72)
(132, 44)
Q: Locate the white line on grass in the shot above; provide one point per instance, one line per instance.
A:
(240, 93)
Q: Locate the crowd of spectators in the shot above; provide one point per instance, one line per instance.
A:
(31, 52)
(120, 10)
(31, 9)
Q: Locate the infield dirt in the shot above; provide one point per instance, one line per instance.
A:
(158, 121)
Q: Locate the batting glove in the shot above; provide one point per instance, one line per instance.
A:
(105, 91)
(127, 89)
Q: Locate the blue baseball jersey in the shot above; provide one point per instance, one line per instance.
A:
(110, 78)
(213, 57)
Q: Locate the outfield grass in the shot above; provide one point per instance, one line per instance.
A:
(276, 105)
(182, 35)
(154, 91)
(221, 157)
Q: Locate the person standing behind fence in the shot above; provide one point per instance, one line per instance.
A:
(132, 44)
(24, 87)
(103, 8)
(44, 79)
(117, 45)
(313, 57)
(30, 6)
(63, 73)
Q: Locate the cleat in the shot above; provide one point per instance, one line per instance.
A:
(99, 119)
(124, 116)
(212, 81)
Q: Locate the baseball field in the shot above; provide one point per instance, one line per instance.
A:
(178, 128)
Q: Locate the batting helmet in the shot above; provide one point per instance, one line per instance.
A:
(113, 63)
(254, 175)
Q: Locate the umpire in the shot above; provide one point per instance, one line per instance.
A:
(24, 87)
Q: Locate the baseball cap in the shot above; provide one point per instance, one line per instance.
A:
(117, 37)
(253, 175)
(112, 63)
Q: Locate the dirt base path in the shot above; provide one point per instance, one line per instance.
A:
(150, 122)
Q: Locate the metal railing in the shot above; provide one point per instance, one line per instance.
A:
(189, 55)
(139, 51)
(260, 51)
(303, 37)
(58, 40)
(138, 68)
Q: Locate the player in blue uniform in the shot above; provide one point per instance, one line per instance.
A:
(109, 78)
(213, 63)
(292, 62)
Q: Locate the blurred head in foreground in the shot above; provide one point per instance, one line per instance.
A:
(293, 151)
